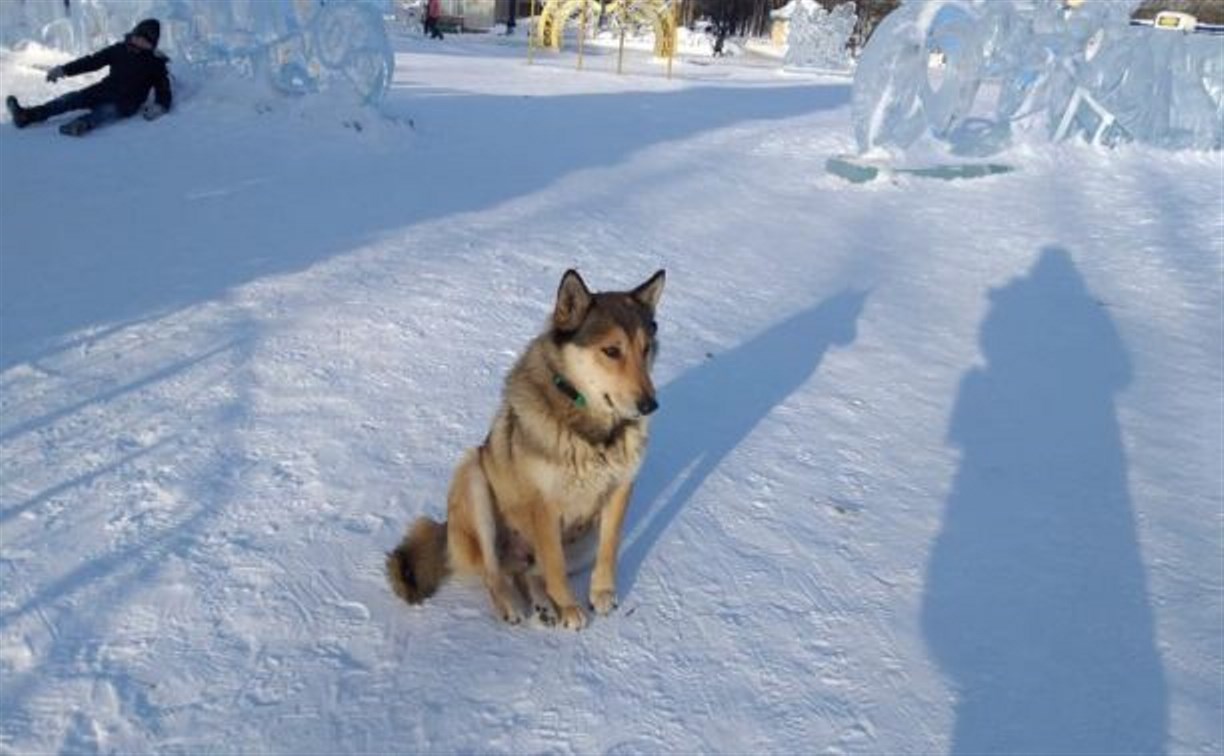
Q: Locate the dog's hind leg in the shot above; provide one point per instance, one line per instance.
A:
(471, 489)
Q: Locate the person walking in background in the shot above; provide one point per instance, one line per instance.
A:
(433, 11)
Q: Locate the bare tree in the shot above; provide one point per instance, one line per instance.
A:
(752, 17)
(870, 14)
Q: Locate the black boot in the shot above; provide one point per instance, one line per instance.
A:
(21, 117)
(77, 126)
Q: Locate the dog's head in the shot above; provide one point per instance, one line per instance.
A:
(607, 343)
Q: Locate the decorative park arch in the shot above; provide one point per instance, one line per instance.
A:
(557, 14)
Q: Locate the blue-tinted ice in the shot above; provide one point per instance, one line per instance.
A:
(296, 46)
(971, 77)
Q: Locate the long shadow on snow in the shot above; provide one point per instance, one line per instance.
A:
(1036, 603)
(705, 414)
(106, 582)
(259, 206)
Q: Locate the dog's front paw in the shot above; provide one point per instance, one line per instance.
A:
(546, 613)
(573, 618)
(510, 614)
(603, 601)
(506, 608)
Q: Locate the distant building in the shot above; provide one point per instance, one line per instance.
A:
(475, 15)
(1205, 11)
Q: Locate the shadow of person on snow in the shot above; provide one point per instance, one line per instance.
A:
(706, 412)
(1035, 603)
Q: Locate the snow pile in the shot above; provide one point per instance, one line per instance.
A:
(970, 77)
(295, 47)
(818, 38)
(700, 41)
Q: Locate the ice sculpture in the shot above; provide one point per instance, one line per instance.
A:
(816, 38)
(969, 77)
(296, 46)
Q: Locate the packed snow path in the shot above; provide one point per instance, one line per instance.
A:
(938, 465)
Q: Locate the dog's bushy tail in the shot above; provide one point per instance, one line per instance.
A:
(419, 564)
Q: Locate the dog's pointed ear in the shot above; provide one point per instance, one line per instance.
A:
(649, 292)
(573, 301)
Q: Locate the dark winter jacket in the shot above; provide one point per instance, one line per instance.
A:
(133, 72)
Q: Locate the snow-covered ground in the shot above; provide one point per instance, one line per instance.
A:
(938, 465)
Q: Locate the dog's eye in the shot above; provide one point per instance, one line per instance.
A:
(613, 352)
(654, 327)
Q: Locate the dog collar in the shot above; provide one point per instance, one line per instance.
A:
(568, 389)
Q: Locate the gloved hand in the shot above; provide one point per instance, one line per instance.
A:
(55, 73)
(152, 111)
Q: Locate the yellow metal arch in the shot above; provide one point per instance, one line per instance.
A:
(658, 13)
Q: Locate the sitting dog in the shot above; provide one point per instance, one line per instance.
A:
(562, 455)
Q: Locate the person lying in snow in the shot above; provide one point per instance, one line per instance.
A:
(136, 66)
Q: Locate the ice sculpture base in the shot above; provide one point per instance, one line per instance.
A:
(859, 170)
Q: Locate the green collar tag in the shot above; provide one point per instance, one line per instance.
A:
(568, 389)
